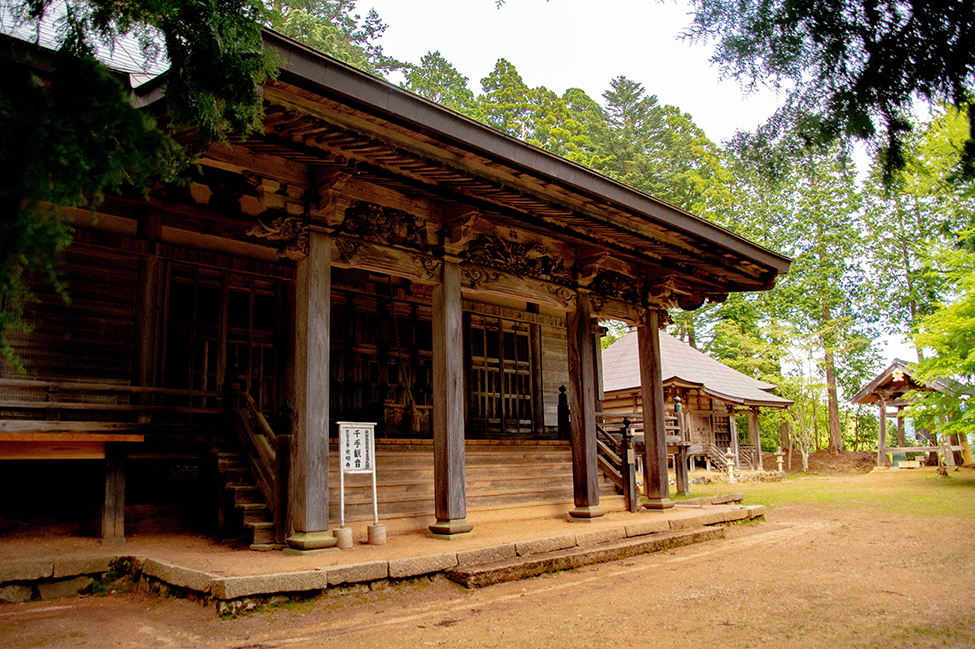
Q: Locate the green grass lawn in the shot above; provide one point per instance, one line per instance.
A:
(917, 491)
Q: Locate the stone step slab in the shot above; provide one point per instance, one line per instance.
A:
(478, 576)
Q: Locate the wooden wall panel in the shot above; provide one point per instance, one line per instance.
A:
(555, 370)
(90, 339)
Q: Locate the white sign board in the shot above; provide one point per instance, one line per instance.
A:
(356, 447)
(357, 454)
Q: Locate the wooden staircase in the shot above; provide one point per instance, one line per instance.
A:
(243, 511)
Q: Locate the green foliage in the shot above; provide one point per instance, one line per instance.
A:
(851, 68)
(74, 135)
(947, 335)
(439, 81)
(333, 27)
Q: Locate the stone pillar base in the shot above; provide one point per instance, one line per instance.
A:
(311, 541)
(587, 513)
(659, 503)
(451, 527)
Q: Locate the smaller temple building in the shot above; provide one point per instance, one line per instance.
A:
(892, 389)
(710, 391)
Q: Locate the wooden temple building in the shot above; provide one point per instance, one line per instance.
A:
(370, 257)
(893, 389)
(710, 393)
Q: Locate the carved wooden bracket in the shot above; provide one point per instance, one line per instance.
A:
(274, 195)
(458, 227)
(328, 185)
(291, 231)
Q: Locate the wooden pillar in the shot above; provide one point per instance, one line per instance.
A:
(900, 428)
(538, 383)
(733, 431)
(882, 437)
(448, 404)
(309, 469)
(582, 409)
(113, 511)
(656, 485)
(755, 435)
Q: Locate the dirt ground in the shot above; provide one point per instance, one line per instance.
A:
(844, 560)
(824, 463)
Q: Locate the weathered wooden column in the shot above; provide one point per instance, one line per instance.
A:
(755, 435)
(113, 510)
(901, 438)
(582, 409)
(450, 500)
(882, 437)
(733, 431)
(657, 486)
(309, 468)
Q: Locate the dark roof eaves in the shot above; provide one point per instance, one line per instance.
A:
(382, 96)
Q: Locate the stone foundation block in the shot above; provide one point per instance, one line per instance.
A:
(50, 590)
(727, 498)
(26, 570)
(414, 566)
(551, 544)
(15, 593)
(755, 511)
(653, 526)
(81, 566)
(358, 572)
(177, 576)
(287, 582)
(487, 555)
(595, 537)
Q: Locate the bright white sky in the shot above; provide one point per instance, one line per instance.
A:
(562, 44)
(575, 43)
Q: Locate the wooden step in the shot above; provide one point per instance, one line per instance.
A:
(254, 512)
(262, 532)
(245, 494)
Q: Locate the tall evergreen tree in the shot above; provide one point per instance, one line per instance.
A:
(438, 80)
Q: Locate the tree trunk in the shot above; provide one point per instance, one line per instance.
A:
(835, 438)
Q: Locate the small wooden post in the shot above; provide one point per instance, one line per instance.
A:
(882, 437)
(656, 482)
(582, 409)
(901, 439)
(681, 478)
(629, 470)
(755, 435)
(113, 511)
(282, 511)
(733, 429)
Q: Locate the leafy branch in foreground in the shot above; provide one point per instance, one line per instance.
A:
(74, 134)
(851, 68)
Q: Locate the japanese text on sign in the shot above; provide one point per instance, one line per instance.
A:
(357, 448)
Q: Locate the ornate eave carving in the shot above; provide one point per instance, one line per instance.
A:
(518, 259)
(290, 231)
(610, 283)
(384, 225)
